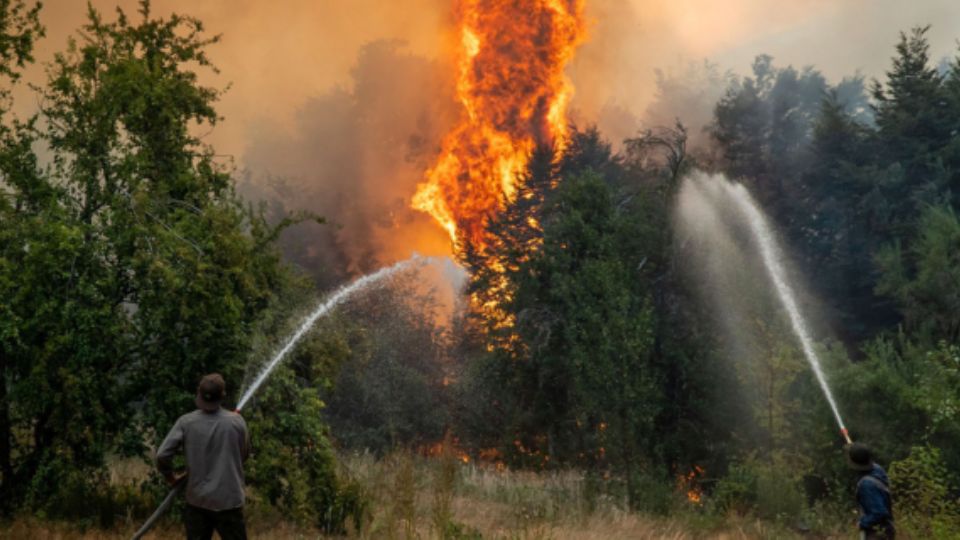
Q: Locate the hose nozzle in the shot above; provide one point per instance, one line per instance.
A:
(846, 435)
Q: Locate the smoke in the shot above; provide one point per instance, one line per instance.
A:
(273, 56)
(338, 106)
(693, 46)
(355, 157)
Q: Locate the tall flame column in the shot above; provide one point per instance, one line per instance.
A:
(514, 94)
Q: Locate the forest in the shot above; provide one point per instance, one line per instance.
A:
(591, 370)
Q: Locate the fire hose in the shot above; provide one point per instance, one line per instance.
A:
(161, 510)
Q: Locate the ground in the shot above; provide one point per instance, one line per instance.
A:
(413, 497)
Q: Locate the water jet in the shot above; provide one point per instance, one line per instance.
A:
(723, 201)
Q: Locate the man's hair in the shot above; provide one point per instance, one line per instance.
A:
(212, 388)
(860, 457)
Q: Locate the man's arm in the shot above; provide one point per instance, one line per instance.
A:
(168, 449)
(875, 511)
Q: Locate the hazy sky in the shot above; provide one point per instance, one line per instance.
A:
(279, 54)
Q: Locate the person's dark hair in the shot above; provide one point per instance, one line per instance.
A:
(211, 391)
(860, 458)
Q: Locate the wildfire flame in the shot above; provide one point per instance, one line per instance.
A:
(514, 93)
(689, 484)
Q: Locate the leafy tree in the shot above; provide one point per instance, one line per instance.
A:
(129, 266)
(573, 357)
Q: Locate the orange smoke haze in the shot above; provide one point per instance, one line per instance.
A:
(276, 55)
(347, 103)
(273, 56)
(514, 94)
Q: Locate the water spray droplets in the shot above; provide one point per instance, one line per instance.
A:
(717, 192)
(325, 307)
(773, 260)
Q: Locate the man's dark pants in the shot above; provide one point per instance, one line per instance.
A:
(201, 523)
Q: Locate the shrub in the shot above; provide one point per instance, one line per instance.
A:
(735, 492)
(653, 494)
(767, 489)
(921, 489)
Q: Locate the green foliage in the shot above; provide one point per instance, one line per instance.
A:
(778, 495)
(19, 29)
(584, 328)
(459, 531)
(293, 468)
(129, 268)
(903, 394)
(911, 108)
(736, 491)
(583, 352)
(925, 495)
(770, 490)
(654, 494)
(925, 281)
(867, 194)
(390, 392)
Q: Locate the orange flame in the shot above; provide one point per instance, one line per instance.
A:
(514, 93)
(689, 484)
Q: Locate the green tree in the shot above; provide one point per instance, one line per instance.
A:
(844, 213)
(924, 278)
(129, 265)
(762, 128)
(594, 342)
(579, 361)
(911, 106)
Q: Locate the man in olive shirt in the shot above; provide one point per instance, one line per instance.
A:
(215, 444)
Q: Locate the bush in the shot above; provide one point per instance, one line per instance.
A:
(293, 464)
(921, 487)
(653, 494)
(59, 492)
(736, 492)
(778, 496)
(766, 489)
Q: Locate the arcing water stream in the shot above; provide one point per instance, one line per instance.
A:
(328, 304)
(715, 195)
(332, 301)
(772, 259)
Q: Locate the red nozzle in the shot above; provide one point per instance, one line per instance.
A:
(846, 435)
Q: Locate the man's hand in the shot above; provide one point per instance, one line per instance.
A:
(174, 479)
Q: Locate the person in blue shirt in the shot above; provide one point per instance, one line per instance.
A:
(873, 495)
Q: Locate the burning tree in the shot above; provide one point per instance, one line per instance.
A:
(514, 94)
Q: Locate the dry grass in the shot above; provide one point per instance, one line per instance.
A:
(413, 497)
(518, 505)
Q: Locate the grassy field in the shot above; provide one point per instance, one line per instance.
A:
(414, 497)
